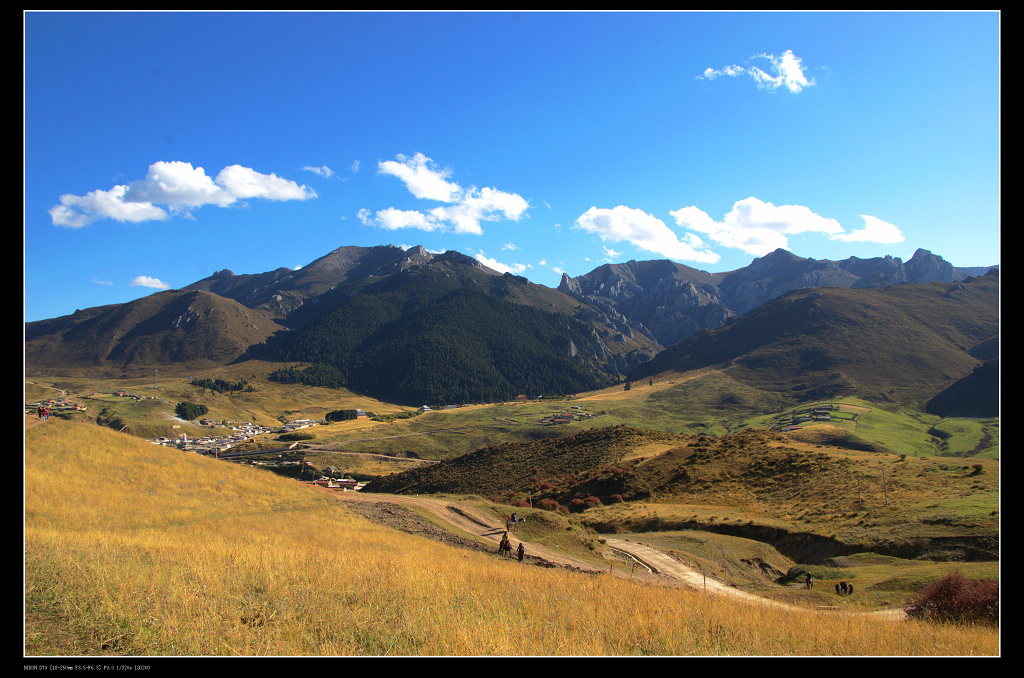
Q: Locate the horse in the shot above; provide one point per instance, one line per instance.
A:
(510, 522)
(505, 548)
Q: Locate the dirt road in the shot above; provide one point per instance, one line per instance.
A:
(484, 529)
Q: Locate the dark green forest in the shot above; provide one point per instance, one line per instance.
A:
(430, 339)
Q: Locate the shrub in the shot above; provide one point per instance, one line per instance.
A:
(615, 499)
(957, 599)
(548, 504)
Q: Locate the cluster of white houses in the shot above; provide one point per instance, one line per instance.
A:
(214, 444)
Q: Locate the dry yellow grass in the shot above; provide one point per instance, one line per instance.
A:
(141, 550)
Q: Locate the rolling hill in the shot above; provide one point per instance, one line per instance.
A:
(810, 501)
(905, 342)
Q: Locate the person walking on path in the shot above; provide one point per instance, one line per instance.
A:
(521, 551)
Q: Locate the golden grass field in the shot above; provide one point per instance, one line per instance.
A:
(134, 549)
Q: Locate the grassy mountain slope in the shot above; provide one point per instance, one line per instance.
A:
(809, 500)
(176, 326)
(141, 551)
(905, 342)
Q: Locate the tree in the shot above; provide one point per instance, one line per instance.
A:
(189, 411)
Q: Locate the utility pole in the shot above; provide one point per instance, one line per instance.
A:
(884, 493)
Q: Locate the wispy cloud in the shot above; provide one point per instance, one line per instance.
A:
(322, 170)
(173, 188)
(463, 210)
(757, 227)
(642, 230)
(105, 283)
(785, 71)
(146, 281)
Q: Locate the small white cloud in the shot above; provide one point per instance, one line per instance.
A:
(102, 282)
(642, 230)
(610, 254)
(146, 281)
(393, 219)
(422, 177)
(784, 71)
(500, 267)
(76, 211)
(509, 246)
(875, 230)
(323, 171)
(179, 187)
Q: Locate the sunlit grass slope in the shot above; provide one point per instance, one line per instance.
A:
(133, 549)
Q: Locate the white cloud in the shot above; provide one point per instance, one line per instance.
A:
(785, 71)
(610, 254)
(177, 186)
(500, 267)
(421, 177)
(75, 211)
(146, 281)
(875, 230)
(759, 227)
(243, 182)
(102, 282)
(464, 208)
(323, 171)
(625, 224)
(755, 226)
(509, 246)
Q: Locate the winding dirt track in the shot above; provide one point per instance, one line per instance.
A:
(659, 566)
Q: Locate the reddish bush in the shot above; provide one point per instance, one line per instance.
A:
(615, 499)
(958, 599)
(548, 504)
(519, 503)
(592, 501)
(577, 505)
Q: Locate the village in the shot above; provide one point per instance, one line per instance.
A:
(816, 414)
(240, 433)
(574, 413)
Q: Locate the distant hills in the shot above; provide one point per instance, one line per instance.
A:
(415, 327)
(901, 342)
(670, 301)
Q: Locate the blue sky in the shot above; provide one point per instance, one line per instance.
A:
(162, 147)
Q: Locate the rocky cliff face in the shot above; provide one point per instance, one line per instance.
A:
(670, 302)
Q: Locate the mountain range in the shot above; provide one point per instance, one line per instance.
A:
(411, 326)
